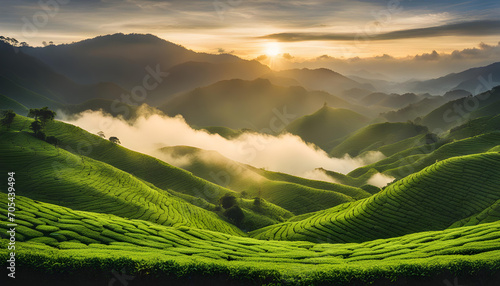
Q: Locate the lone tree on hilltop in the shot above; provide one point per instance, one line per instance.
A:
(100, 133)
(8, 118)
(114, 140)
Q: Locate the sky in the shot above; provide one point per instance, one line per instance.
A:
(284, 33)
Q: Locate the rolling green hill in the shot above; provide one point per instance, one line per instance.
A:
(82, 183)
(59, 245)
(7, 103)
(294, 194)
(469, 185)
(458, 111)
(153, 173)
(375, 136)
(326, 124)
(415, 159)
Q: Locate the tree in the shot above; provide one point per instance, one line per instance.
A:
(235, 215)
(8, 118)
(227, 201)
(114, 140)
(36, 126)
(42, 114)
(100, 133)
(52, 140)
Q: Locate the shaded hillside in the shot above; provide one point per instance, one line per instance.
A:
(254, 104)
(457, 112)
(375, 136)
(468, 184)
(127, 59)
(392, 100)
(320, 79)
(294, 194)
(31, 74)
(414, 110)
(415, 159)
(326, 125)
(471, 80)
(7, 103)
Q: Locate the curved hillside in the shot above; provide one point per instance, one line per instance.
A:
(57, 176)
(54, 240)
(326, 124)
(375, 136)
(415, 159)
(297, 195)
(458, 111)
(432, 199)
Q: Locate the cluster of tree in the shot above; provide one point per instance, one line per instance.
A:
(42, 116)
(232, 210)
(13, 42)
(113, 139)
(8, 118)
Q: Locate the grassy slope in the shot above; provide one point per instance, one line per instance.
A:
(64, 242)
(476, 127)
(375, 136)
(468, 185)
(326, 124)
(294, 194)
(415, 159)
(161, 175)
(7, 103)
(147, 168)
(53, 175)
(456, 112)
(25, 96)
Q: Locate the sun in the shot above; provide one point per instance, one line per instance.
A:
(273, 49)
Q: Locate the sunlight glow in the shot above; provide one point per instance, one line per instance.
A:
(273, 49)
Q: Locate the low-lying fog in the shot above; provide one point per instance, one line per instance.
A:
(283, 153)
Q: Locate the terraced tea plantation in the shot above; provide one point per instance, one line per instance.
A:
(63, 241)
(89, 211)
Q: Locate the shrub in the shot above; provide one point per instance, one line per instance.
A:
(227, 201)
(235, 215)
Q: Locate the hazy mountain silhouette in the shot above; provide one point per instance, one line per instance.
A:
(248, 104)
(124, 60)
(30, 81)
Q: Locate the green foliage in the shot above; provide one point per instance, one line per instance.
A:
(227, 201)
(374, 136)
(147, 250)
(234, 214)
(43, 115)
(8, 118)
(467, 184)
(114, 140)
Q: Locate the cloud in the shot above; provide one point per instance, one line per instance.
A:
(380, 180)
(472, 28)
(319, 175)
(261, 58)
(284, 153)
(421, 66)
(428, 57)
(287, 56)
